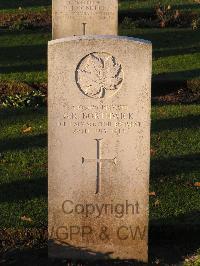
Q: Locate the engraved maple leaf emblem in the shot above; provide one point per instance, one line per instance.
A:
(97, 74)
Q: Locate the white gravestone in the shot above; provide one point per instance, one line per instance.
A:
(84, 17)
(99, 147)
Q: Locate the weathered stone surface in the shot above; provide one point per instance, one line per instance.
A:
(99, 147)
(84, 17)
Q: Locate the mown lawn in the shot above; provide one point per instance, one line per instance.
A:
(23, 168)
(176, 54)
(174, 167)
(23, 56)
(175, 163)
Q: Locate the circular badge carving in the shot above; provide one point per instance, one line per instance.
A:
(99, 75)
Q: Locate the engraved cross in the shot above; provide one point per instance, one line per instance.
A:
(99, 162)
(84, 28)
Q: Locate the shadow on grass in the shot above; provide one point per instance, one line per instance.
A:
(24, 189)
(23, 68)
(175, 165)
(24, 143)
(189, 121)
(23, 53)
(187, 39)
(10, 117)
(5, 4)
(171, 243)
(178, 75)
(23, 59)
(24, 35)
(176, 51)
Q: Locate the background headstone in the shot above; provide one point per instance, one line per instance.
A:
(99, 147)
(84, 17)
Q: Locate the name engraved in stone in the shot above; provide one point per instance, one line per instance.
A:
(99, 119)
(110, 116)
(85, 8)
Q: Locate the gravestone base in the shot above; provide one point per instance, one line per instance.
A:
(96, 253)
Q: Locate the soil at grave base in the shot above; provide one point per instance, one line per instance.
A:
(167, 96)
(29, 247)
(181, 96)
(12, 241)
(21, 19)
(26, 20)
(14, 88)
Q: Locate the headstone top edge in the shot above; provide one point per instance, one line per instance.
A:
(98, 37)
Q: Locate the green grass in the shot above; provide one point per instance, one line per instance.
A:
(174, 167)
(176, 54)
(23, 56)
(23, 168)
